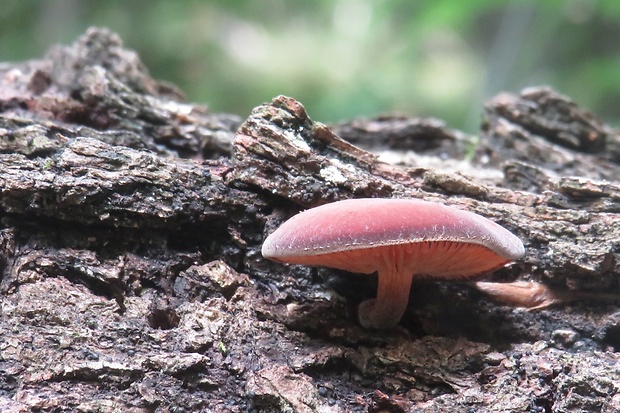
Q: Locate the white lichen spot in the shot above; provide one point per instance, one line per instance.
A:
(333, 174)
(297, 141)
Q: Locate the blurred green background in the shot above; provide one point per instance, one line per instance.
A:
(349, 58)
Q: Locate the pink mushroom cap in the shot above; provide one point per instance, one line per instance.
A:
(399, 239)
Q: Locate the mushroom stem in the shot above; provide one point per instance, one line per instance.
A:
(387, 309)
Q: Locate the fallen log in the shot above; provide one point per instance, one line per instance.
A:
(132, 279)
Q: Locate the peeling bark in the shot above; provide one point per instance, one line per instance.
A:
(130, 252)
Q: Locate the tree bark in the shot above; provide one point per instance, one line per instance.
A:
(132, 278)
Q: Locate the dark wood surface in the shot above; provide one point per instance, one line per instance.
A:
(132, 278)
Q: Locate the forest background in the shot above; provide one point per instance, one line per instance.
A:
(349, 58)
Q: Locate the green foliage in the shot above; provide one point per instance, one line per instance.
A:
(349, 58)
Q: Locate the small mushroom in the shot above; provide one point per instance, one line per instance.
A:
(526, 294)
(535, 296)
(397, 238)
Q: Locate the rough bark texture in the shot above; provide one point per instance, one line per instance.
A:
(130, 252)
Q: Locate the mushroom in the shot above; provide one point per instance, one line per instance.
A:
(397, 238)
